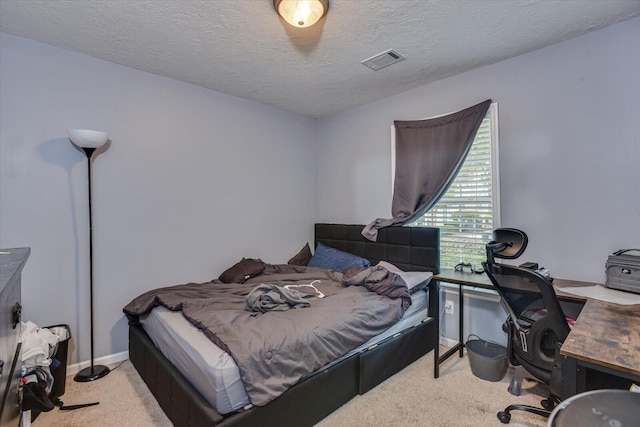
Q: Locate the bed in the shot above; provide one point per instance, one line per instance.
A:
(325, 389)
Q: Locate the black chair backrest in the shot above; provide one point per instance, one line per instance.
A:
(507, 243)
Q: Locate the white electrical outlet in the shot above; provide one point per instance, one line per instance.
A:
(448, 306)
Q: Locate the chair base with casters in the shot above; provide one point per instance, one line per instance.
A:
(515, 388)
(505, 416)
(533, 374)
(547, 404)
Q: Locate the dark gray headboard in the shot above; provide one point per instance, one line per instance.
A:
(408, 248)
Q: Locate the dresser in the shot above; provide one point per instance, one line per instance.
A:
(12, 262)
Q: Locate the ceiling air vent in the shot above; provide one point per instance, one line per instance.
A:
(382, 60)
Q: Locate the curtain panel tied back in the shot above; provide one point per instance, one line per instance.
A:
(429, 155)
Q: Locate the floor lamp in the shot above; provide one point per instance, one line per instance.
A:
(88, 141)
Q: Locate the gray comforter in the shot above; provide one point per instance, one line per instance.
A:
(275, 349)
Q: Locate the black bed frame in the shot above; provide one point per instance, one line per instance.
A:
(312, 399)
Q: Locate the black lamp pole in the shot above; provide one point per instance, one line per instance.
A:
(92, 372)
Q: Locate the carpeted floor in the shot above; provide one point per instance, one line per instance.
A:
(410, 398)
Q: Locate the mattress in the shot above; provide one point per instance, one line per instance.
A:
(213, 372)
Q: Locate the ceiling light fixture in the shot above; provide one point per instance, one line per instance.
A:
(301, 13)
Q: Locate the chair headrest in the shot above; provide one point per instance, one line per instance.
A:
(507, 243)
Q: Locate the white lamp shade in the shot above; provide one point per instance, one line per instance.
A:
(87, 138)
(301, 13)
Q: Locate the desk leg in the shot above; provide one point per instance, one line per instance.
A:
(461, 318)
(434, 305)
(568, 384)
(436, 360)
(459, 346)
(574, 379)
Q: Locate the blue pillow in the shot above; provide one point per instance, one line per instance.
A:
(333, 259)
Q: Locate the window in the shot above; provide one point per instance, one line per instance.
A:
(469, 210)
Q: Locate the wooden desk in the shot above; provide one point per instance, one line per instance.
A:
(605, 339)
(571, 303)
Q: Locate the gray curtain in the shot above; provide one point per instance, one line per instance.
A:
(429, 154)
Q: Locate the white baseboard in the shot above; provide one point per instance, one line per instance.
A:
(104, 360)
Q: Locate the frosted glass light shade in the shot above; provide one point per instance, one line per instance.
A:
(301, 13)
(87, 138)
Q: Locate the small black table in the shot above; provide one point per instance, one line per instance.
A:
(461, 279)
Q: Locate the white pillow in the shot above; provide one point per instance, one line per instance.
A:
(411, 278)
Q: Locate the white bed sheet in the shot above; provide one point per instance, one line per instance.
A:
(213, 372)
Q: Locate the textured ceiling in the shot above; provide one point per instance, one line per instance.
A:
(241, 47)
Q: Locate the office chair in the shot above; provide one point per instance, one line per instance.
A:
(536, 325)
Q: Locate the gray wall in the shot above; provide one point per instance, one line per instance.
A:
(193, 180)
(569, 118)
